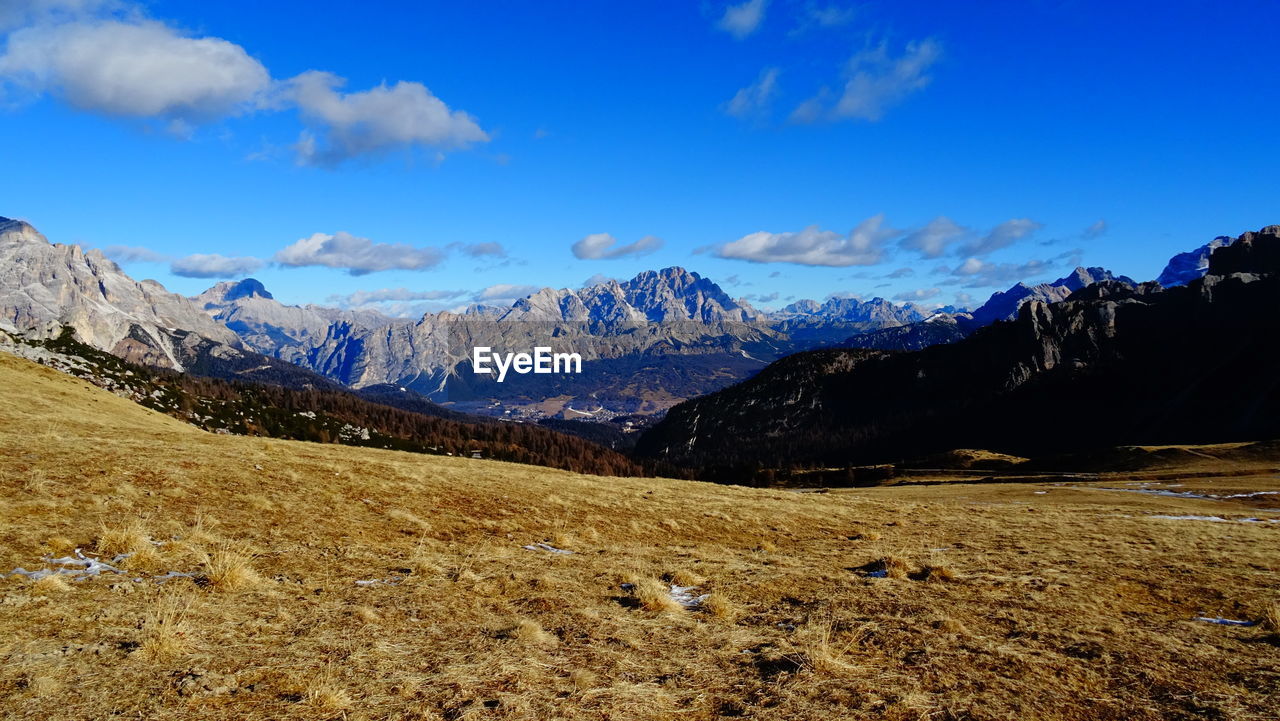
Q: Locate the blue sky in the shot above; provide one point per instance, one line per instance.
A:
(461, 151)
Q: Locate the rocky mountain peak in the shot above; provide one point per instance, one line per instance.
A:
(19, 231)
(247, 288)
(45, 287)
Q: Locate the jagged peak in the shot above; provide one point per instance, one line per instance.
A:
(229, 290)
(13, 229)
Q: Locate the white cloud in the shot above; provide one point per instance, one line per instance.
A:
(1001, 236)
(918, 294)
(603, 246)
(213, 265)
(976, 273)
(756, 98)
(743, 19)
(384, 295)
(900, 273)
(504, 292)
(134, 69)
(932, 240)
(874, 82)
(864, 245)
(374, 121)
(356, 255)
(133, 254)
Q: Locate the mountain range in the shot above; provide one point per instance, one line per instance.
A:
(1113, 363)
(647, 343)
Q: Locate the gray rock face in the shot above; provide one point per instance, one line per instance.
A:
(272, 328)
(1004, 305)
(45, 286)
(1186, 267)
(672, 309)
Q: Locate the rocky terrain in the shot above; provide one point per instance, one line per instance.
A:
(1113, 364)
(46, 286)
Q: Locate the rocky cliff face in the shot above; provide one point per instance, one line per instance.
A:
(949, 327)
(667, 312)
(1112, 364)
(272, 328)
(1005, 305)
(1191, 265)
(45, 286)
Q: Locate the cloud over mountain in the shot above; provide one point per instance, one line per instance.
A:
(603, 246)
(1001, 236)
(356, 255)
(864, 245)
(213, 265)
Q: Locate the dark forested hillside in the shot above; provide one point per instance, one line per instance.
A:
(324, 414)
(1111, 365)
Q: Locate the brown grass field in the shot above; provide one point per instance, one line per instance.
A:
(997, 601)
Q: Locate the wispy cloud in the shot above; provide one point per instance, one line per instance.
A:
(756, 98)
(134, 254)
(1001, 236)
(356, 255)
(978, 273)
(874, 81)
(864, 245)
(743, 19)
(919, 294)
(932, 240)
(213, 265)
(484, 250)
(384, 295)
(1095, 230)
(504, 293)
(603, 246)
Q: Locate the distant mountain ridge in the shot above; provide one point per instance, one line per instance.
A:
(45, 286)
(1112, 364)
(651, 341)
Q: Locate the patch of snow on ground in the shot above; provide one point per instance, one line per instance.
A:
(684, 595)
(1225, 621)
(393, 581)
(546, 547)
(1219, 519)
(81, 567)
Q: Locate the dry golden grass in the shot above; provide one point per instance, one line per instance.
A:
(166, 633)
(230, 568)
(360, 584)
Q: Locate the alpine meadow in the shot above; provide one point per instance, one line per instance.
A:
(786, 360)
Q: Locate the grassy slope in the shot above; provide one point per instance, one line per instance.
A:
(1075, 604)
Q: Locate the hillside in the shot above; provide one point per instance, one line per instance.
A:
(1112, 365)
(321, 411)
(336, 582)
